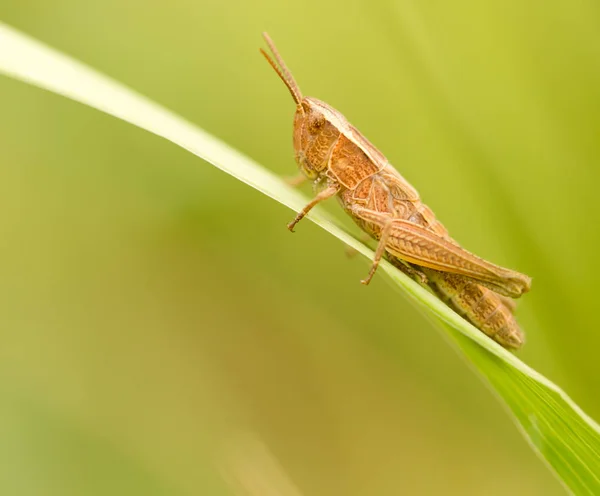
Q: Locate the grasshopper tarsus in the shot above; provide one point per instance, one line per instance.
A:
(367, 280)
(298, 218)
(296, 181)
(422, 278)
(411, 271)
(350, 251)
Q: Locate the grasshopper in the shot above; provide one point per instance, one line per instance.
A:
(342, 162)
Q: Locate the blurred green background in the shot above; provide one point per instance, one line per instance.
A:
(164, 334)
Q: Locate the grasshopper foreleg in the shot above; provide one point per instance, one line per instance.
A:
(364, 238)
(295, 181)
(328, 192)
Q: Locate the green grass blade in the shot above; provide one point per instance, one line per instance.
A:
(556, 428)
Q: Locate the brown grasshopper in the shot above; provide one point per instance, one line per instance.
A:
(342, 162)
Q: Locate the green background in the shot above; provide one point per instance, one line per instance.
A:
(163, 333)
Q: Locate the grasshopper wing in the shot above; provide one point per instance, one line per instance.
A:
(417, 245)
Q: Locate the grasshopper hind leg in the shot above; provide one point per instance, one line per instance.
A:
(508, 302)
(411, 271)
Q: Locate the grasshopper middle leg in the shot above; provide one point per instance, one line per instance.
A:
(383, 240)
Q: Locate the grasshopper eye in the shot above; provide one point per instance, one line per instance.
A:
(316, 124)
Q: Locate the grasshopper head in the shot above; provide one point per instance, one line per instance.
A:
(316, 130)
(316, 124)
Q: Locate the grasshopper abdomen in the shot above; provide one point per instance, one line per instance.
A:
(482, 307)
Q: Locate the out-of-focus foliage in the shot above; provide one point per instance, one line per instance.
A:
(147, 329)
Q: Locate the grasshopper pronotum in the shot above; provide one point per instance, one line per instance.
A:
(343, 163)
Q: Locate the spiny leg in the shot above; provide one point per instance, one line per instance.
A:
(328, 192)
(385, 234)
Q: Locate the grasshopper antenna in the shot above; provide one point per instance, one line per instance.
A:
(282, 71)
